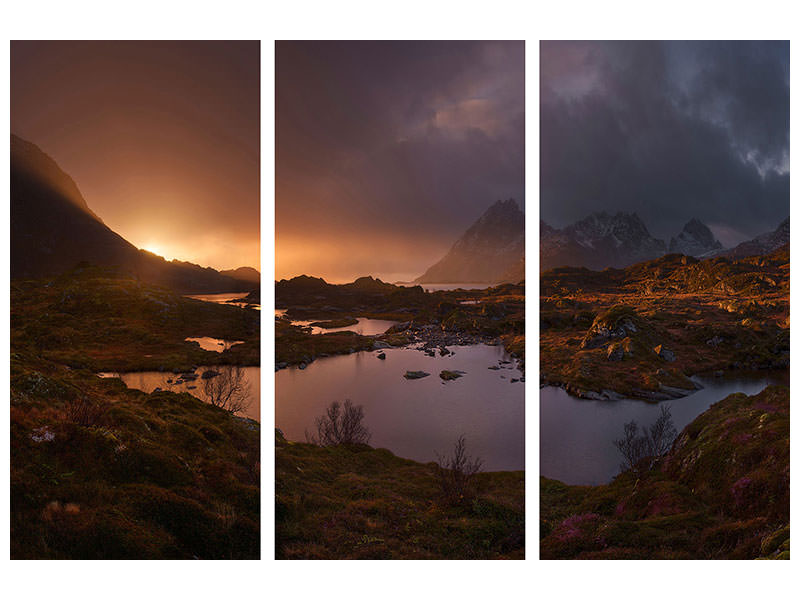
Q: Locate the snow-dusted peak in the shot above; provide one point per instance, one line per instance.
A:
(695, 239)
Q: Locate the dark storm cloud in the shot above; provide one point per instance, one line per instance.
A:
(670, 130)
(401, 141)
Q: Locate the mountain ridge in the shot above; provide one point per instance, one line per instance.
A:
(490, 247)
(54, 230)
(602, 240)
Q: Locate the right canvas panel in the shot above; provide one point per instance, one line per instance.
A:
(664, 300)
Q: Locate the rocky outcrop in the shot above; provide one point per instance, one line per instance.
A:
(616, 323)
(415, 374)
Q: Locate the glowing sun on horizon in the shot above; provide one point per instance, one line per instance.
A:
(154, 249)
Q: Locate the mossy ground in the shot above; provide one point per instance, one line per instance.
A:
(721, 492)
(360, 502)
(714, 315)
(102, 471)
(91, 319)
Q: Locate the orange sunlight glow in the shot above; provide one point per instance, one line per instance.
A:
(155, 249)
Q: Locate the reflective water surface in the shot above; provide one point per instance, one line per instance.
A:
(576, 442)
(419, 418)
(363, 327)
(147, 381)
(224, 299)
(213, 344)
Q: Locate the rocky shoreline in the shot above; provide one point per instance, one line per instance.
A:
(429, 339)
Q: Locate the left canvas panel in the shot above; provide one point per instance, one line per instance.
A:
(135, 303)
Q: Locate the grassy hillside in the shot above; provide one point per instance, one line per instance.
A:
(361, 502)
(721, 492)
(102, 471)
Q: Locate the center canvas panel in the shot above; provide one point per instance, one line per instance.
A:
(400, 300)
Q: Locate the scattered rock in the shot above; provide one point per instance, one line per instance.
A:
(667, 355)
(415, 374)
(450, 375)
(615, 352)
(42, 434)
(615, 323)
(382, 356)
(209, 374)
(494, 368)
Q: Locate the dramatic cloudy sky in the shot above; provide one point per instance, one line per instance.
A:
(162, 138)
(670, 130)
(387, 151)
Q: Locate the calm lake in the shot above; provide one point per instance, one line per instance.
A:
(363, 327)
(419, 418)
(224, 299)
(147, 381)
(576, 442)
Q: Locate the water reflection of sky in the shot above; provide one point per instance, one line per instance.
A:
(419, 418)
(148, 381)
(576, 441)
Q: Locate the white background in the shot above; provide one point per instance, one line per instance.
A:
(406, 19)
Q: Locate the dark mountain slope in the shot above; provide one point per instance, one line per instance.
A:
(248, 274)
(762, 244)
(489, 249)
(53, 230)
(695, 239)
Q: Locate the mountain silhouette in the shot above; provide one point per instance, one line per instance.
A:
(490, 251)
(53, 230)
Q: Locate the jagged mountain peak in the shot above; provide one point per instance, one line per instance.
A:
(696, 239)
(490, 247)
(764, 243)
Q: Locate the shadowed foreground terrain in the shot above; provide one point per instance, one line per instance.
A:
(722, 491)
(360, 502)
(102, 471)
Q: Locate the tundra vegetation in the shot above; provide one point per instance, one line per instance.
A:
(348, 500)
(102, 471)
(721, 488)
